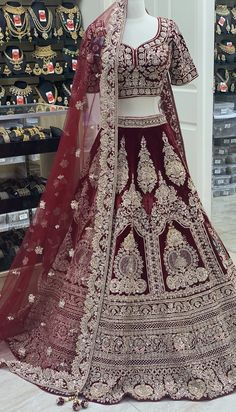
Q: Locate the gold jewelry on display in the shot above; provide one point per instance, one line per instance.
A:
(44, 53)
(233, 29)
(5, 135)
(17, 63)
(58, 69)
(227, 49)
(218, 29)
(18, 32)
(37, 69)
(7, 71)
(73, 14)
(2, 92)
(1, 37)
(233, 10)
(28, 69)
(228, 28)
(41, 99)
(65, 88)
(44, 30)
(222, 10)
(70, 52)
(17, 91)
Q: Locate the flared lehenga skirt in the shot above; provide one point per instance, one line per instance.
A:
(167, 324)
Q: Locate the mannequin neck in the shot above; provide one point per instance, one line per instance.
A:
(136, 9)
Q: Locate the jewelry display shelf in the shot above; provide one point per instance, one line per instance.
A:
(57, 42)
(20, 203)
(8, 150)
(224, 122)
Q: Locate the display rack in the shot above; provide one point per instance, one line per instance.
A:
(224, 127)
(16, 213)
(57, 43)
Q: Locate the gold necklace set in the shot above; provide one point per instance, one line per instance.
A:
(45, 54)
(17, 91)
(43, 99)
(22, 28)
(38, 27)
(71, 21)
(222, 10)
(227, 49)
(17, 62)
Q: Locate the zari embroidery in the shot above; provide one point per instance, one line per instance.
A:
(128, 268)
(147, 177)
(173, 166)
(123, 168)
(181, 262)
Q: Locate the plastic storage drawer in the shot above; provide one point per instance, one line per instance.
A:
(224, 127)
(219, 170)
(221, 180)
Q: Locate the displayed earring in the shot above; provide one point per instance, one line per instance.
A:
(228, 28)
(7, 35)
(28, 69)
(233, 29)
(55, 32)
(7, 71)
(37, 70)
(36, 33)
(45, 70)
(58, 68)
(218, 29)
(223, 58)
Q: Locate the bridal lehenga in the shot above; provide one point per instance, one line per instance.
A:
(122, 286)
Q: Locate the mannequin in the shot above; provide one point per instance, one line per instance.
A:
(139, 28)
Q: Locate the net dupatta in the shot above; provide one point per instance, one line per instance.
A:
(24, 302)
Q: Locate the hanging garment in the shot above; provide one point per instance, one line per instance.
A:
(122, 286)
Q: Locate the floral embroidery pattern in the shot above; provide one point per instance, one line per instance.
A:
(128, 267)
(174, 167)
(181, 262)
(123, 168)
(147, 177)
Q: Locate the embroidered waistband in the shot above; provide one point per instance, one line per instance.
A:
(147, 121)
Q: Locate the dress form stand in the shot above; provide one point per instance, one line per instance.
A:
(139, 28)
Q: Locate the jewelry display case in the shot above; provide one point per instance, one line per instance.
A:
(224, 126)
(27, 134)
(39, 48)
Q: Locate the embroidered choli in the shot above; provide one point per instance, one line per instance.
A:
(142, 70)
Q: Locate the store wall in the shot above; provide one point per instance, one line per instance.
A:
(195, 101)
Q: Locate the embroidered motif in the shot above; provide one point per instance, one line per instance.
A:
(128, 268)
(123, 168)
(94, 170)
(142, 122)
(181, 262)
(173, 166)
(147, 177)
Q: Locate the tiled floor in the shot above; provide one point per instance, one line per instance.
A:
(18, 395)
(224, 220)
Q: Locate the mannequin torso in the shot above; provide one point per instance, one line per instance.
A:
(140, 27)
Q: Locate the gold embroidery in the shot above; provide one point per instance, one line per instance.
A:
(128, 269)
(181, 262)
(147, 178)
(142, 122)
(123, 168)
(173, 166)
